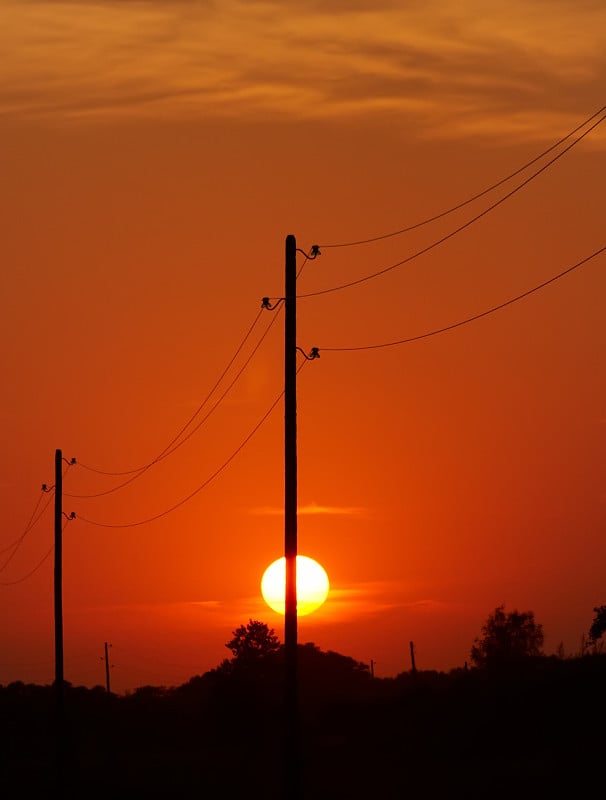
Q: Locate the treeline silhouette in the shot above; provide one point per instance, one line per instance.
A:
(529, 726)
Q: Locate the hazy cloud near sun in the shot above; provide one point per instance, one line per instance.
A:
(449, 69)
(368, 598)
(310, 509)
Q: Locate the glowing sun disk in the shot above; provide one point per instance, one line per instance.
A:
(312, 585)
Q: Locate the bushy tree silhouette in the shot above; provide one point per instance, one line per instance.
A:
(598, 626)
(507, 638)
(251, 645)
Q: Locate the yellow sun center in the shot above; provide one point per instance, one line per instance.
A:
(312, 585)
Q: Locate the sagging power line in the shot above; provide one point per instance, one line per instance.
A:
(35, 517)
(179, 439)
(203, 485)
(14, 546)
(471, 199)
(457, 230)
(170, 450)
(169, 447)
(473, 318)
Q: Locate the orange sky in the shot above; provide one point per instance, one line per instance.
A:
(154, 157)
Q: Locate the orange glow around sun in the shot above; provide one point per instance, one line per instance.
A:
(312, 585)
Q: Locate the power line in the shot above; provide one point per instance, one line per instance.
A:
(29, 574)
(174, 444)
(38, 565)
(238, 374)
(221, 398)
(305, 260)
(470, 319)
(456, 230)
(314, 252)
(33, 520)
(168, 450)
(15, 544)
(161, 455)
(204, 484)
(470, 199)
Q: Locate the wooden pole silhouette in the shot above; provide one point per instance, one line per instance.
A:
(58, 587)
(58, 595)
(412, 658)
(107, 668)
(59, 686)
(292, 781)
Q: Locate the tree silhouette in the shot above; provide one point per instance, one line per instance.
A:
(598, 626)
(507, 637)
(253, 642)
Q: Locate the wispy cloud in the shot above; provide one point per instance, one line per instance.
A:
(366, 599)
(148, 607)
(311, 509)
(206, 604)
(447, 69)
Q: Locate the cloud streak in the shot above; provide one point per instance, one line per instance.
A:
(369, 599)
(445, 69)
(311, 509)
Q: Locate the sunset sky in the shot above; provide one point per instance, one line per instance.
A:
(154, 157)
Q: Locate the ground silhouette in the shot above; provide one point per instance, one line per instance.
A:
(530, 731)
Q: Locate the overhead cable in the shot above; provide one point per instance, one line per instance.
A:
(202, 485)
(468, 319)
(32, 521)
(456, 230)
(139, 470)
(170, 450)
(469, 200)
(38, 565)
(35, 516)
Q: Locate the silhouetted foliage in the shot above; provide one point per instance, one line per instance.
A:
(506, 638)
(598, 626)
(328, 673)
(253, 642)
(523, 733)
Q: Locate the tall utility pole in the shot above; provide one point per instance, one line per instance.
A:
(412, 658)
(292, 778)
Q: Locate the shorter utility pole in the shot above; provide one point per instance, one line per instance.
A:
(372, 668)
(59, 687)
(58, 593)
(412, 658)
(107, 668)
(58, 602)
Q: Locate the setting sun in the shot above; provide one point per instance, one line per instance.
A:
(312, 585)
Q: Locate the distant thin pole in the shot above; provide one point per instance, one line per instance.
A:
(412, 657)
(107, 669)
(372, 668)
(292, 781)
